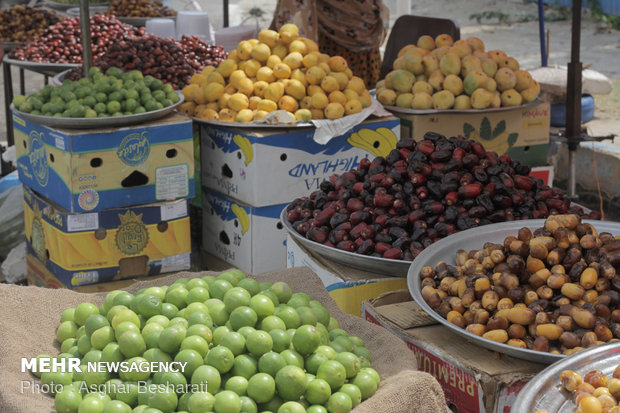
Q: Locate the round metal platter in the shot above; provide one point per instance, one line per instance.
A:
(445, 250)
(383, 266)
(60, 77)
(41, 66)
(544, 391)
(91, 123)
(406, 111)
(141, 21)
(254, 125)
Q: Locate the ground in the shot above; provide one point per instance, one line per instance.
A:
(600, 45)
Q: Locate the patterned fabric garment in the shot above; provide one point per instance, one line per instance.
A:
(349, 28)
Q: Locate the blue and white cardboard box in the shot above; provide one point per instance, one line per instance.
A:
(250, 238)
(270, 166)
(97, 169)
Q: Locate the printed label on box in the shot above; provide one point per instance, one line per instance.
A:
(173, 211)
(84, 277)
(171, 182)
(175, 262)
(82, 222)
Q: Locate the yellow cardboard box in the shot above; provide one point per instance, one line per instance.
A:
(108, 245)
(523, 133)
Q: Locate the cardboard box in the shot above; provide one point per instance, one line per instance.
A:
(474, 380)
(41, 277)
(522, 133)
(263, 167)
(349, 287)
(107, 245)
(248, 237)
(93, 170)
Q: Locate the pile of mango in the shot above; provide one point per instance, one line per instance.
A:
(277, 71)
(441, 73)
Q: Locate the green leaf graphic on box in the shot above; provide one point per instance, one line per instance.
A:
(485, 129)
(467, 130)
(499, 129)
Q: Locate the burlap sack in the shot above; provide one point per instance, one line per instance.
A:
(29, 317)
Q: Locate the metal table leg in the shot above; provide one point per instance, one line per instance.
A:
(22, 83)
(8, 98)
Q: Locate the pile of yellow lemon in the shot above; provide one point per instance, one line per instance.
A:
(279, 70)
(440, 73)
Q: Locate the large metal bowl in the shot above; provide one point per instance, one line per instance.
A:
(544, 391)
(407, 111)
(445, 250)
(383, 266)
(92, 123)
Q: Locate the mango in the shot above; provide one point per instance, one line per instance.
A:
(404, 100)
(462, 102)
(402, 81)
(443, 99)
(422, 100)
(436, 79)
(531, 93)
(523, 80)
(473, 81)
(450, 64)
(421, 86)
(481, 98)
(453, 84)
(443, 40)
(511, 97)
(505, 78)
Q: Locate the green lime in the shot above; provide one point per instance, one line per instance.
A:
(289, 315)
(193, 360)
(92, 356)
(248, 405)
(148, 305)
(332, 372)
(353, 391)
(318, 391)
(313, 361)
(271, 363)
(329, 352)
(291, 382)
(339, 402)
(171, 338)
(152, 328)
(306, 339)
(249, 284)
(236, 297)
(244, 366)
(219, 287)
(169, 310)
(320, 312)
(246, 331)
(129, 394)
(292, 407)
(262, 305)
(18, 100)
(56, 380)
(151, 105)
(112, 353)
(333, 324)
(259, 343)
(167, 88)
(95, 322)
(160, 319)
(67, 315)
(221, 358)
(272, 322)
(125, 315)
(200, 330)
(271, 295)
(350, 362)
(113, 106)
(116, 406)
(298, 300)
(198, 294)
(164, 399)
(159, 95)
(91, 405)
(233, 341)
(134, 372)
(207, 378)
(101, 337)
(282, 290)
(373, 373)
(67, 344)
(131, 344)
(219, 333)
(230, 276)
(156, 84)
(123, 327)
(293, 358)
(179, 321)
(316, 409)
(83, 311)
(177, 296)
(209, 279)
(261, 387)
(66, 329)
(201, 402)
(67, 401)
(281, 340)
(155, 354)
(196, 343)
(243, 316)
(237, 384)
(366, 383)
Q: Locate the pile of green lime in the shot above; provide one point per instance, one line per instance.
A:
(115, 93)
(249, 347)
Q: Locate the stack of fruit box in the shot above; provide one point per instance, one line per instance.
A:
(103, 205)
(249, 175)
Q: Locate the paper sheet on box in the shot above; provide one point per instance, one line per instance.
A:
(328, 129)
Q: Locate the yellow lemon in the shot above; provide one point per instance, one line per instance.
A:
(300, 76)
(337, 63)
(227, 115)
(298, 45)
(244, 50)
(350, 94)
(265, 74)
(320, 100)
(342, 79)
(288, 103)
(352, 106)
(216, 77)
(311, 45)
(259, 114)
(334, 111)
(238, 101)
(226, 67)
(236, 76)
(293, 60)
(329, 84)
(282, 71)
(295, 88)
(312, 89)
(357, 84)
(245, 86)
(337, 97)
(315, 74)
(273, 60)
(222, 102)
(288, 33)
(274, 91)
(267, 105)
(269, 37)
(303, 114)
(209, 114)
(251, 67)
(317, 114)
(244, 115)
(213, 91)
(305, 102)
(280, 50)
(254, 102)
(259, 88)
(261, 52)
